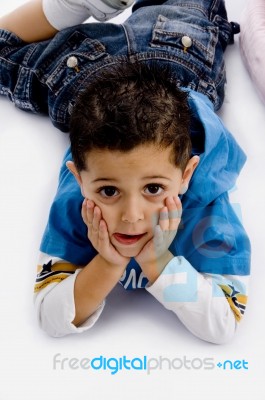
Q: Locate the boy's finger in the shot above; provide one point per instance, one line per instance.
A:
(170, 215)
(164, 219)
(96, 219)
(174, 207)
(103, 235)
(84, 212)
(89, 211)
(158, 236)
(175, 212)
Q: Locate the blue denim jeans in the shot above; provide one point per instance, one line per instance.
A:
(37, 76)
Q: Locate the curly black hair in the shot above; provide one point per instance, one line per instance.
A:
(128, 105)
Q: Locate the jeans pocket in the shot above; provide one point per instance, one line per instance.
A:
(225, 30)
(77, 54)
(168, 35)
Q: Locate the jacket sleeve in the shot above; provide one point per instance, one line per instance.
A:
(54, 297)
(209, 305)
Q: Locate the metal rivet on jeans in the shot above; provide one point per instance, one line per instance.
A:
(187, 42)
(72, 62)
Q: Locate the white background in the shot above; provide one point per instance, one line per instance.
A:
(133, 323)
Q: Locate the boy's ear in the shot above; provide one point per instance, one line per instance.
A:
(188, 172)
(72, 168)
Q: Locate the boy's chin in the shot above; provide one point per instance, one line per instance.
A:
(129, 252)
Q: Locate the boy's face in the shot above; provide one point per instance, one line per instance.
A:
(130, 189)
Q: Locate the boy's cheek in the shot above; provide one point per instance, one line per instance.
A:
(104, 210)
(109, 217)
(94, 198)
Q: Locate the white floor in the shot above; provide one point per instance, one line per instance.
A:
(133, 324)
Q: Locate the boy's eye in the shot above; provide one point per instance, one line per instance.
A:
(108, 191)
(154, 189)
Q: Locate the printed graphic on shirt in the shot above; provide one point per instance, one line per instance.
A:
(48, 273)
(133, 277)
(236, 300)
(132, 280)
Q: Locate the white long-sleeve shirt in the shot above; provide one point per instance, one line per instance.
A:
(209, 305)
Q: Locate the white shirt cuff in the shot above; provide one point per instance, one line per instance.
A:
(56, 309)
(196, 299)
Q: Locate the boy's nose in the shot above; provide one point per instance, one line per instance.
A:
(132, 211)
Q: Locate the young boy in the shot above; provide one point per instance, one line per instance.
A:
(148, 151)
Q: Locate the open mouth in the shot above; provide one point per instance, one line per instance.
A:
(128, 239)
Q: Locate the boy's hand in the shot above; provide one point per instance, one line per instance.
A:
(98, 234)
(155, 254)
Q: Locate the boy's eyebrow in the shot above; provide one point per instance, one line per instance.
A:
(144, 178)
(156, 177)
(104, 179)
